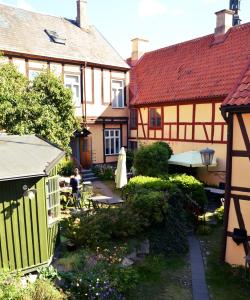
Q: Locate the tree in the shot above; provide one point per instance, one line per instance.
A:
(152, 160)
(43, 107)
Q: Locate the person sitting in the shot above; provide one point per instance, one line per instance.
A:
(75, 180)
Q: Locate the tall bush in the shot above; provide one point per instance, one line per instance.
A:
(152, 160)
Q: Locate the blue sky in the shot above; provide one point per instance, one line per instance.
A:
(162, 22)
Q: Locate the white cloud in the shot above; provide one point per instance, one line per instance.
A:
(149, 8)
(24, 5)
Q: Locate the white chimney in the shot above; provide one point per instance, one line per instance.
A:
(224, 21)
(139, 47)
(82, 19)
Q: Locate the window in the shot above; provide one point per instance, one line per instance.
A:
(53, 198)
(73, 82)
(33, 74)
(112, 141)
(55, 37)
(117, 93)
(155, 117)
(133, 145)
(133, 118)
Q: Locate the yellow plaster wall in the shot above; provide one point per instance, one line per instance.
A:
(240, 178)
(186, 113)
(241, 171)
(97, 143)
(203, 112)
(218, 115)
(170, 113)
(235, 253)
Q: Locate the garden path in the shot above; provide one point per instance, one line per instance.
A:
(199, 285)
(103, 189)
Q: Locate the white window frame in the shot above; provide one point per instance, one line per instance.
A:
(112, 136)
(52, 190)
(115, 101)
(76, 100)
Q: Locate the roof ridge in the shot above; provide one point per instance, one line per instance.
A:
(35, 12)
(196, 39)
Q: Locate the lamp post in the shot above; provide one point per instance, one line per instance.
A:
(207, 156)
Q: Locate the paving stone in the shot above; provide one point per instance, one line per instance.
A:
(199, 285)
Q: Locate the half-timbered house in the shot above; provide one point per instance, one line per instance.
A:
(88, 65)
(177, 91)
(236, 110)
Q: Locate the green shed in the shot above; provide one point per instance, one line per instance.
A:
(29, 201)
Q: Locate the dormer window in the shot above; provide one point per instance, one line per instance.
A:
(55, 37)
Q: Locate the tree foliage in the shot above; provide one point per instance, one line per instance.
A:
(43, 107)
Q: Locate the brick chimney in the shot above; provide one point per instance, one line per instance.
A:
(139, 47)
(224, 21)
(81, 19)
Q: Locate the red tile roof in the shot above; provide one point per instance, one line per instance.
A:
(241, 92)
(198, 69)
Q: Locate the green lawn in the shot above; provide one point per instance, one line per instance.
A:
(163, 279)
(224, 281)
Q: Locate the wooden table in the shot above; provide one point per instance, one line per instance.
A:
(215, 190)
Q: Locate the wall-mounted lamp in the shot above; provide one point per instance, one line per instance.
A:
(30, 193)
(207, 156)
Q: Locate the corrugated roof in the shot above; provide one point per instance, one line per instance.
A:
(240, 95)
(203, 68)
(26, 156)
(24, 32)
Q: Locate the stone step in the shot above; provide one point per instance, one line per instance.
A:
(93, 178)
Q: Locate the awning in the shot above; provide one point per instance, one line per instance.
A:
(190, 159)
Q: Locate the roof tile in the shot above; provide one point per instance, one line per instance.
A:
(196, 69)
(23, 32)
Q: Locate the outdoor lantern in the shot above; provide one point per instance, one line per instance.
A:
(30, 193)
(207, 156)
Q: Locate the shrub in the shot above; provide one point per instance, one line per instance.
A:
(171, 236)
(152, 160)
(49, 273)
(191, 187)
(44, 289)
(151, 206)
(139, 212)
(145, 182)
(204, 229)
(101, 227)
(12, 288)
(105, 279)
(66, 167)
(219, 214)
(130, 155)
(104, 172)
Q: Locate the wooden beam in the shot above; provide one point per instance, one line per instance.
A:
(240, 221)
(228, 184)
(244, 133)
